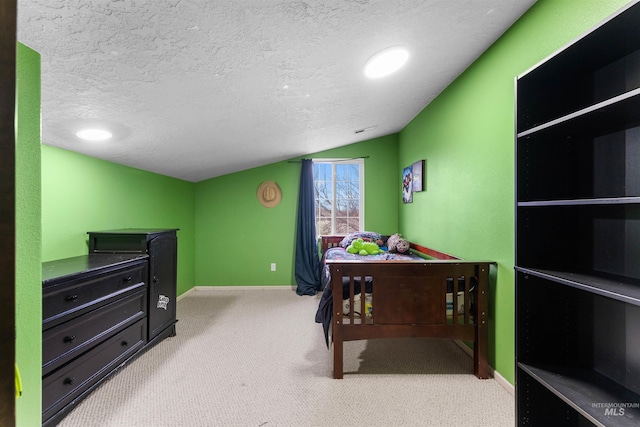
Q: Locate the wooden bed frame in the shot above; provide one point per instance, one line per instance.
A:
(409, 300)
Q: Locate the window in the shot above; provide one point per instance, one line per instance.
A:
(339, 196)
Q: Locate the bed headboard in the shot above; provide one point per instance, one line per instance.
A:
(330, 242)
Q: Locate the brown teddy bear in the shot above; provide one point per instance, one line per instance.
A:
(402, 246)
(397, 243)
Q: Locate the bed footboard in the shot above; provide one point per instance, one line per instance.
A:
(431, 298)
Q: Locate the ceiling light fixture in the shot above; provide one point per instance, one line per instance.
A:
(386, 62)
(94, 134)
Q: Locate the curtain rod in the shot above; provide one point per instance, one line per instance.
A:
(339, 160)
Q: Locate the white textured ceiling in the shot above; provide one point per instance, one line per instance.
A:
(196, 89)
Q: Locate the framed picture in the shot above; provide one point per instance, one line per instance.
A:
(417, 176)
(407, 186)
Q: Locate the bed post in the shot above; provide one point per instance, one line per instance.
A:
(481, 344)
(337, 353)
(336, 327)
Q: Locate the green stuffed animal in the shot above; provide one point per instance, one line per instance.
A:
(360, 247)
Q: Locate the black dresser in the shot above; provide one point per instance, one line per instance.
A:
(94, 311)
(102, 309)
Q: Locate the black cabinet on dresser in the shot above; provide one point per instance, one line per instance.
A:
(578, 231)
(94, 319)
(161, 246)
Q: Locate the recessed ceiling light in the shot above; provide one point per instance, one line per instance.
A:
(94, 134)
(386, 62)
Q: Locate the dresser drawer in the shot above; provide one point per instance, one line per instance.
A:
(68, 299)
(62, 343)
(62, 386)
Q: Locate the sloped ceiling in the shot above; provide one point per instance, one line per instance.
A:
(196, 89)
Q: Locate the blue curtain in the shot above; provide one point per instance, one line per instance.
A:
(308, 267)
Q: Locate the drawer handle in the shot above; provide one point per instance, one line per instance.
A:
(125, 343)
(69, 380)
(69, 338)
(127, 279)
(72, 298)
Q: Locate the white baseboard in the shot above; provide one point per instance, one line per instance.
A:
(185, 294)
(465, 347)
(492, 372)
(504, 383)
(234, 288)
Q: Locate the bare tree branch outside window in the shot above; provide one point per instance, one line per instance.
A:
(338, 195)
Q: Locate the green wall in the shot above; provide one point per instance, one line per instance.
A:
(28, 237)
(230, 218)
(466, 137)
(81, 193)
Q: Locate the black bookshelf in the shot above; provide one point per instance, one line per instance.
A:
(578, 231)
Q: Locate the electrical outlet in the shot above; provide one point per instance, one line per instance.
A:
(273, 266)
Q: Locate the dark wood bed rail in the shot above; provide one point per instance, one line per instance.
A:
(431, 252)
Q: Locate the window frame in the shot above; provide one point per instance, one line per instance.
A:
(333, 162)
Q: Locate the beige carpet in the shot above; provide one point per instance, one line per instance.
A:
(255, 357)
